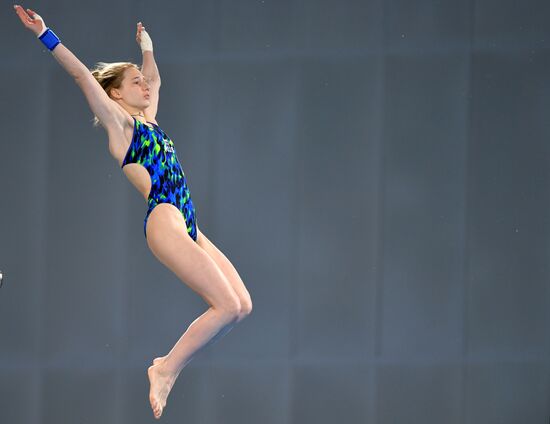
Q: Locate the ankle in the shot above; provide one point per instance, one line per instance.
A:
(164, 369)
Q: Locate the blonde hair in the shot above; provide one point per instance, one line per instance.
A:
(110, 75)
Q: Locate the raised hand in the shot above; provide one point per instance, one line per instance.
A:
(30, 19)
(143, 39)
(140, 28)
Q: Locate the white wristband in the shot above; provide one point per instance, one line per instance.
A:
(146, 43)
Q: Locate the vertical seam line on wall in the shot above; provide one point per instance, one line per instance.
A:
(295, 295)
(213, 185)
(43, 270)
(466, 220)
(380, 225)
(381, 198)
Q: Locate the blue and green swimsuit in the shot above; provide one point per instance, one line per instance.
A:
(153, 149)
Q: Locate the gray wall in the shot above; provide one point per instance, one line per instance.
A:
(377, 171)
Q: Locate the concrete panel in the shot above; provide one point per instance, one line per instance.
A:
(324, 393)
(428, 393)
(516, 25)
(507, 393)
(77, 395)
(20, 396)
(83, 232)
(330, 27)
(261, 27)
(337, 173)
(22, 228)
(253, 211)
(248, 393)
(509, 205)
(423, 210)
(427, 25)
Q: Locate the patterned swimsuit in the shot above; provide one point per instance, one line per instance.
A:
(153, 149)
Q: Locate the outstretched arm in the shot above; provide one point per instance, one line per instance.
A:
(150, 71)
(108, 112)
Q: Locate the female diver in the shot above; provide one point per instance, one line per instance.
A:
(124, 100)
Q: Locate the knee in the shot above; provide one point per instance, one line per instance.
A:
(231, 309)
(246, 308)
(235, 309)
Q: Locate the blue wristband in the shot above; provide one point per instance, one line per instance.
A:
(49, 39)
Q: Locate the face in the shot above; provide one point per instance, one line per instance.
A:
(134, 90)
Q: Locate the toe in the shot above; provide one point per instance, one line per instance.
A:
(155, 407)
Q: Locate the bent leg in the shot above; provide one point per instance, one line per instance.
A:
(168, 240)
(230, 273)
(170, 243)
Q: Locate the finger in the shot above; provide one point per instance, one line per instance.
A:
(32, 17)
(21, 13)
(20, 16)
(24, 19)
(32, 14)
(19, 9)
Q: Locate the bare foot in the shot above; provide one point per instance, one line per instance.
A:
(161, 384)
